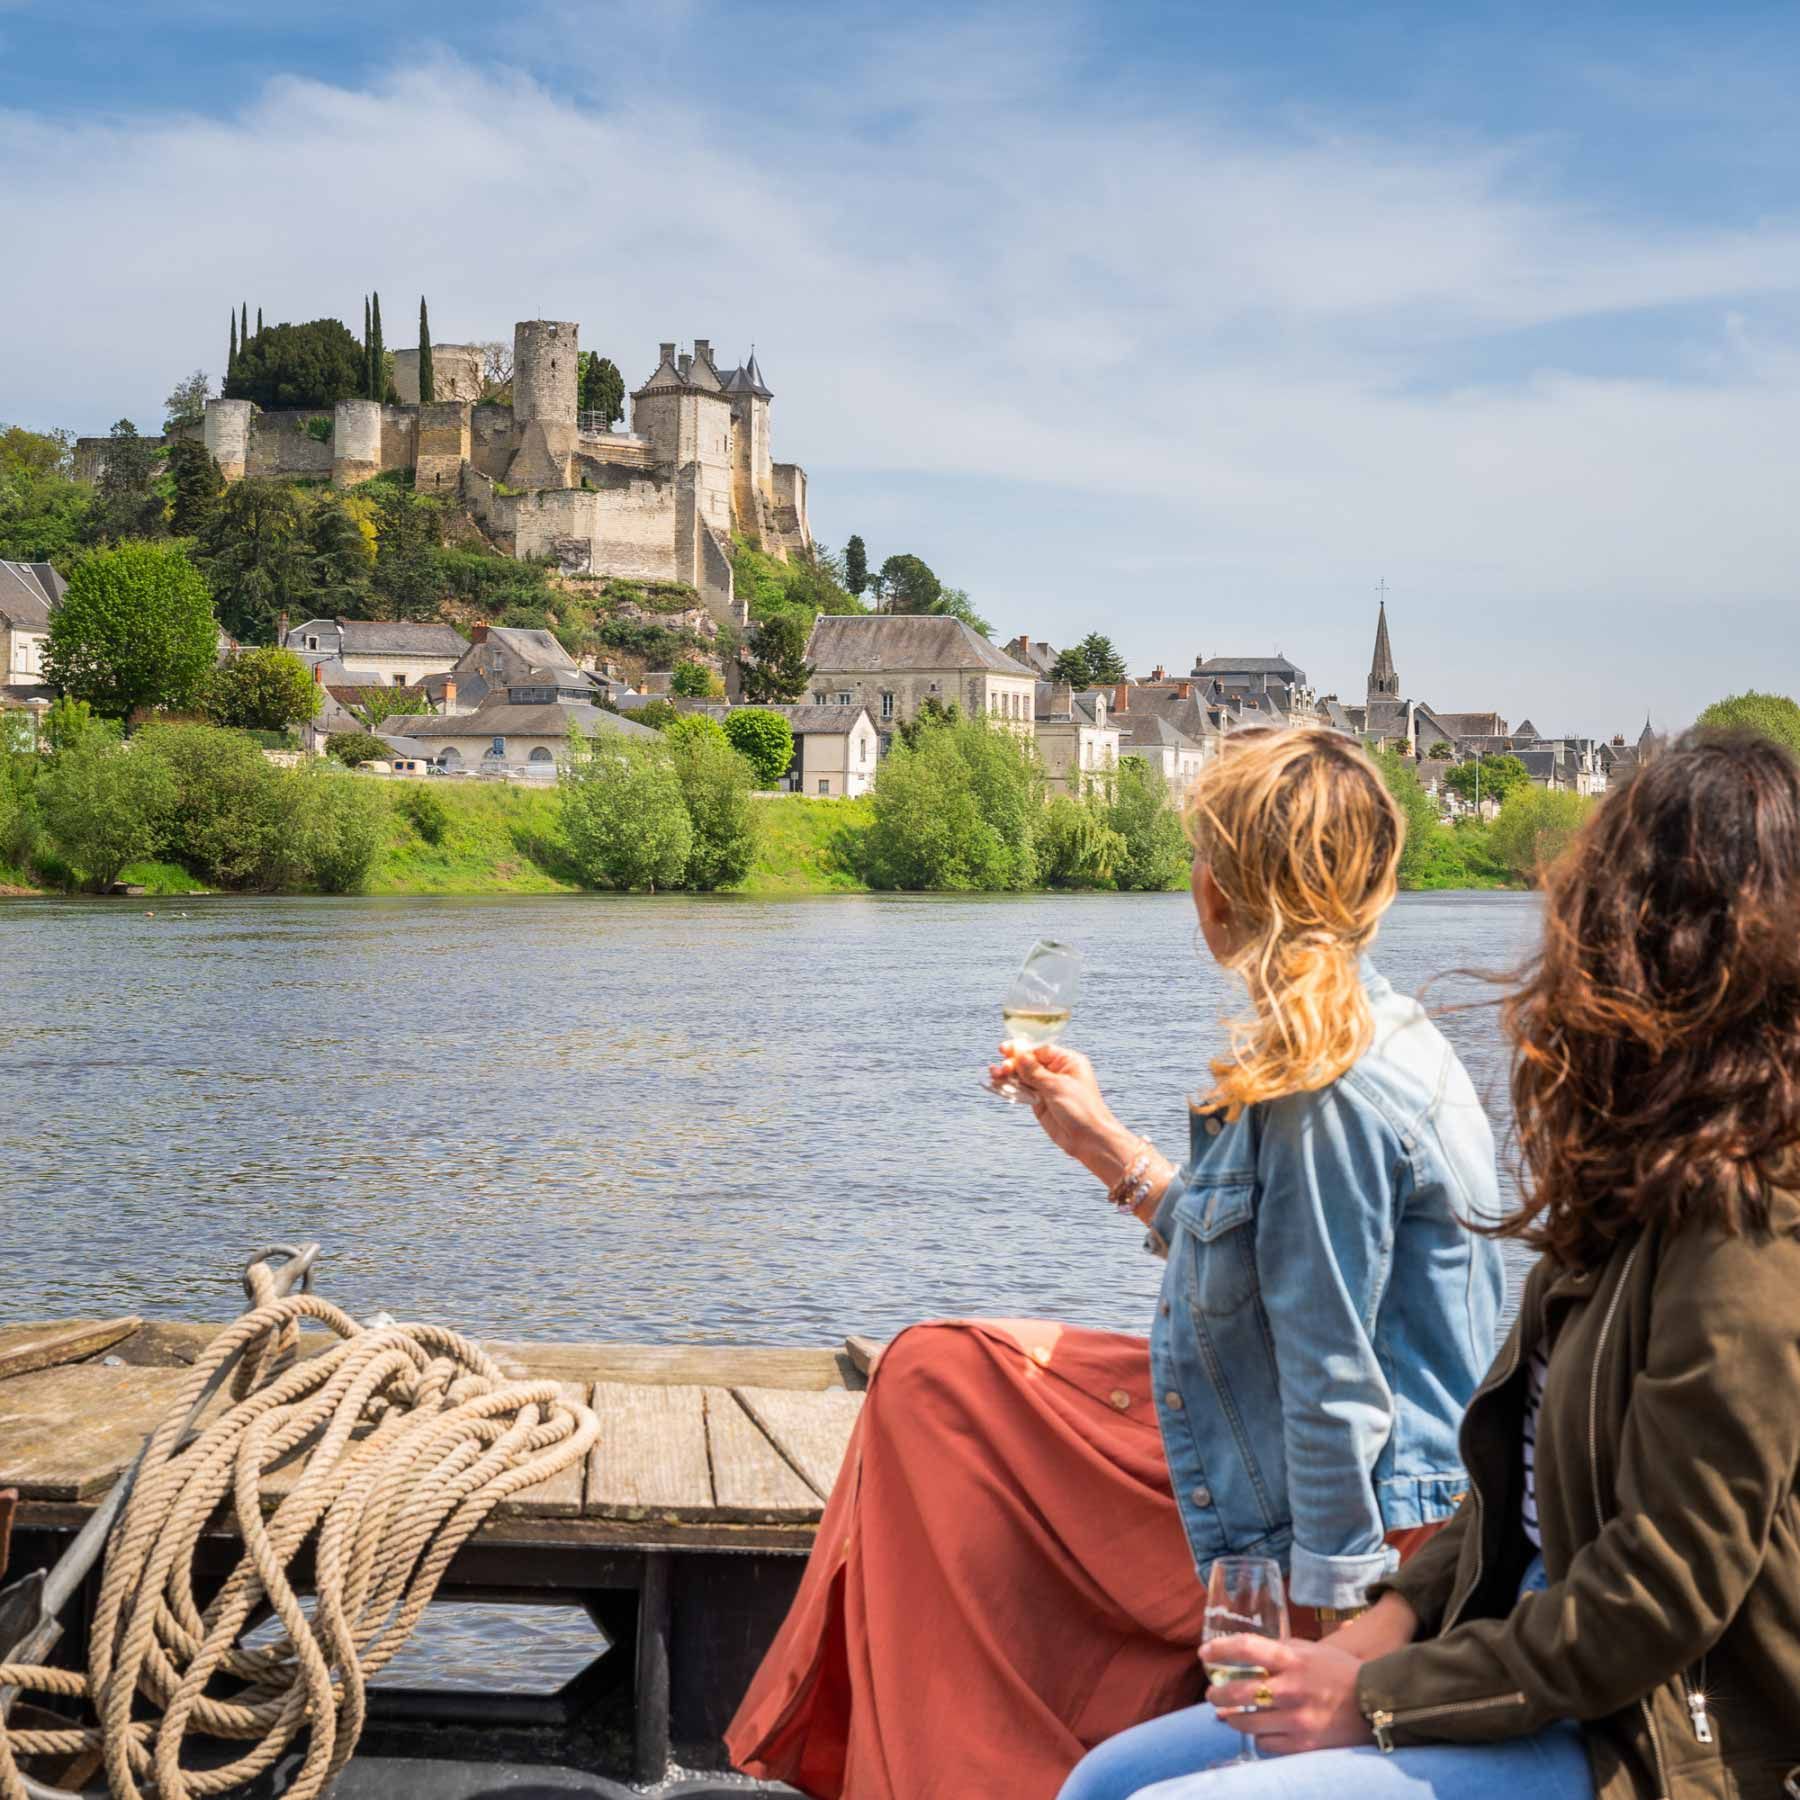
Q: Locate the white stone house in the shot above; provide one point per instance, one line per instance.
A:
(1175, 756)
(836, 749)
(1077, 736)
(893, 663)
(27, 593)
(501, 736)
(397, 652)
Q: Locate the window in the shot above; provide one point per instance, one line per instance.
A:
(399, 681)
(312, 643)
(843, 699)
(887, 704)
(862, 749)
(818, 699)
(824, 784)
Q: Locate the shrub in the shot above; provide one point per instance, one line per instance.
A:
(1077, 846)
(423, 811)
(104, 806)
(694, 681)
(262, 690)
(136, 628)
(956, 807)
(335, 827)
(225, 821)
(1535, 826)
(658, 714)
(354, 748)
(764, 739)
(319, 428)
(715, 788)
(1153, 851)
(621, 813)
(1770, 715)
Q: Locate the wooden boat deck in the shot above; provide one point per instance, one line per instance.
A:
(700, 1447)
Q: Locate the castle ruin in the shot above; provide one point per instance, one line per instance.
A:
(660, 502)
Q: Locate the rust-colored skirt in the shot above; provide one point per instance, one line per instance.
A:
(1001, 1579)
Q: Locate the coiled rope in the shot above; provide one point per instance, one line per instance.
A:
(412, 1436)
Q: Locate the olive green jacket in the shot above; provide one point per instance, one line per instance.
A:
(1667, 1448)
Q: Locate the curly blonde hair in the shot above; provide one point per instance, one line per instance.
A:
(1303, 839)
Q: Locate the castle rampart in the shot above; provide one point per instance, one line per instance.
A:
(356, 442)
(443, 440)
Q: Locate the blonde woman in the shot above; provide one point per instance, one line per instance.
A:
(1012, 1566)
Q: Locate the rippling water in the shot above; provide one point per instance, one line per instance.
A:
(673, 1119)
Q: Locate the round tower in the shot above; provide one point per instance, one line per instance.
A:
(355, 442)
(544, 357)
(226, 434)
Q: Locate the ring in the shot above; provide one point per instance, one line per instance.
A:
(1265, 1696)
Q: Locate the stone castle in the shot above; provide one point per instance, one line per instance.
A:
(660, 502)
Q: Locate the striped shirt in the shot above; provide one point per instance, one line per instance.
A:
(1537, 1372)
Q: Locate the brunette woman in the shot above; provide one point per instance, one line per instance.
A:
(1616, 1608)
(1012, 1565)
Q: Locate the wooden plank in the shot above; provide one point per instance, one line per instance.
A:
(812, 1431)
(650, 1461)
(24, 1349)
(559, 1497)
(863, 1351)
(751, 1478)
(68, 1433)
(678, 1365)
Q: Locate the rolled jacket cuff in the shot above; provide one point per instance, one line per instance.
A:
(1337, 1581)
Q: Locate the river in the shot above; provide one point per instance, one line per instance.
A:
(669, 1119)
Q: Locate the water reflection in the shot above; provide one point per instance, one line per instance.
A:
(669, 1119)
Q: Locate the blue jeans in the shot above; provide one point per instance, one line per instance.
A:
(1175, 1758)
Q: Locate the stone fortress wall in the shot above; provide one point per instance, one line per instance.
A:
(660, 502)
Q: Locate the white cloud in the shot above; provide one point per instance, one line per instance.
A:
(1197, 379)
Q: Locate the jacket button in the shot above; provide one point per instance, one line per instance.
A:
(1120, 1399)
(1164, 1309)
(1212, 1127)
(1201, 1496)
(1172, 1400)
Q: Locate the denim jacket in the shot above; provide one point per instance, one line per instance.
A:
(1326, 1314)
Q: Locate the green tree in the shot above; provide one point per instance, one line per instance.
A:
(136, 628)
(1071, 665)
(354, 748)
(198, 485)
(68, 724)
(1770, 715)
(1418, 809)
(337, 558)
(715, 787)
(335, 826)
(777, 669)
(298, 366)
(262, 690)
(427, 387)
(956, 807)
(954, 603)
(621, 812)
(764, 739)
(1493, 777)
(186, 404)
(602, 389)
(44, 511)
(382, 704)
(226, 822)
(856, 566)
(907, 585)
(231, 355)
(1105, 666)
(244, 327)
(251, 549)
(377, 352)
(124, 505)
(1535, 826)
(103, 806)
(657, 715)
(409, 529)
(1154, 850)
(1077, 846)
(1441, 751)
(692, 680)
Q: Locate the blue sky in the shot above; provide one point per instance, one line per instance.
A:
(1190, 323)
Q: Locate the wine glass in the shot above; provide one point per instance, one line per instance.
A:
(1037, 1004)
(1243, 1594)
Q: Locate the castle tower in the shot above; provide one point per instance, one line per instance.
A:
(226, 435)
(544, 403)
(753, 461)
(1384, 684)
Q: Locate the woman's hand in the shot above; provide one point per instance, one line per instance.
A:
(1390, 1624)
(1067, 1102)
(1313, 1689)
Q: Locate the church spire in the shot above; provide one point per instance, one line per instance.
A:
(1384, 683)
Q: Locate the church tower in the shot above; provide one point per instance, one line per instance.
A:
(1384, 684)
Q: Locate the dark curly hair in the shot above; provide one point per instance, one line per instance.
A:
(1656, 1070)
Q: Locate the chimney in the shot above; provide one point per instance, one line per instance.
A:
(686, 363)
(703, 350)
(1183, 689)
(478, 634)
(281, 628)
(318, 674)
(665, 353)
(1156, 674)
(1122, 698)
(449, 695)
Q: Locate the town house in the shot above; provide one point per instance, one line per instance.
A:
(1076, 736)
(27, 593)
(379, 652)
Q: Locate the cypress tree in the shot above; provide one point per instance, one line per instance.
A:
(244, 325)
(366, 378)
(231, 358)
(377, 351)
(425, 377)
(259, 321)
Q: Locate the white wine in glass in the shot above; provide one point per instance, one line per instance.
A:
(1036, 1007)
(1244, 1594)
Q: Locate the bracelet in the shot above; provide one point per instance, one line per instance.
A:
(1132, 1188)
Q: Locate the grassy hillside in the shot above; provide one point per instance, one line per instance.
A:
(806, 846)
